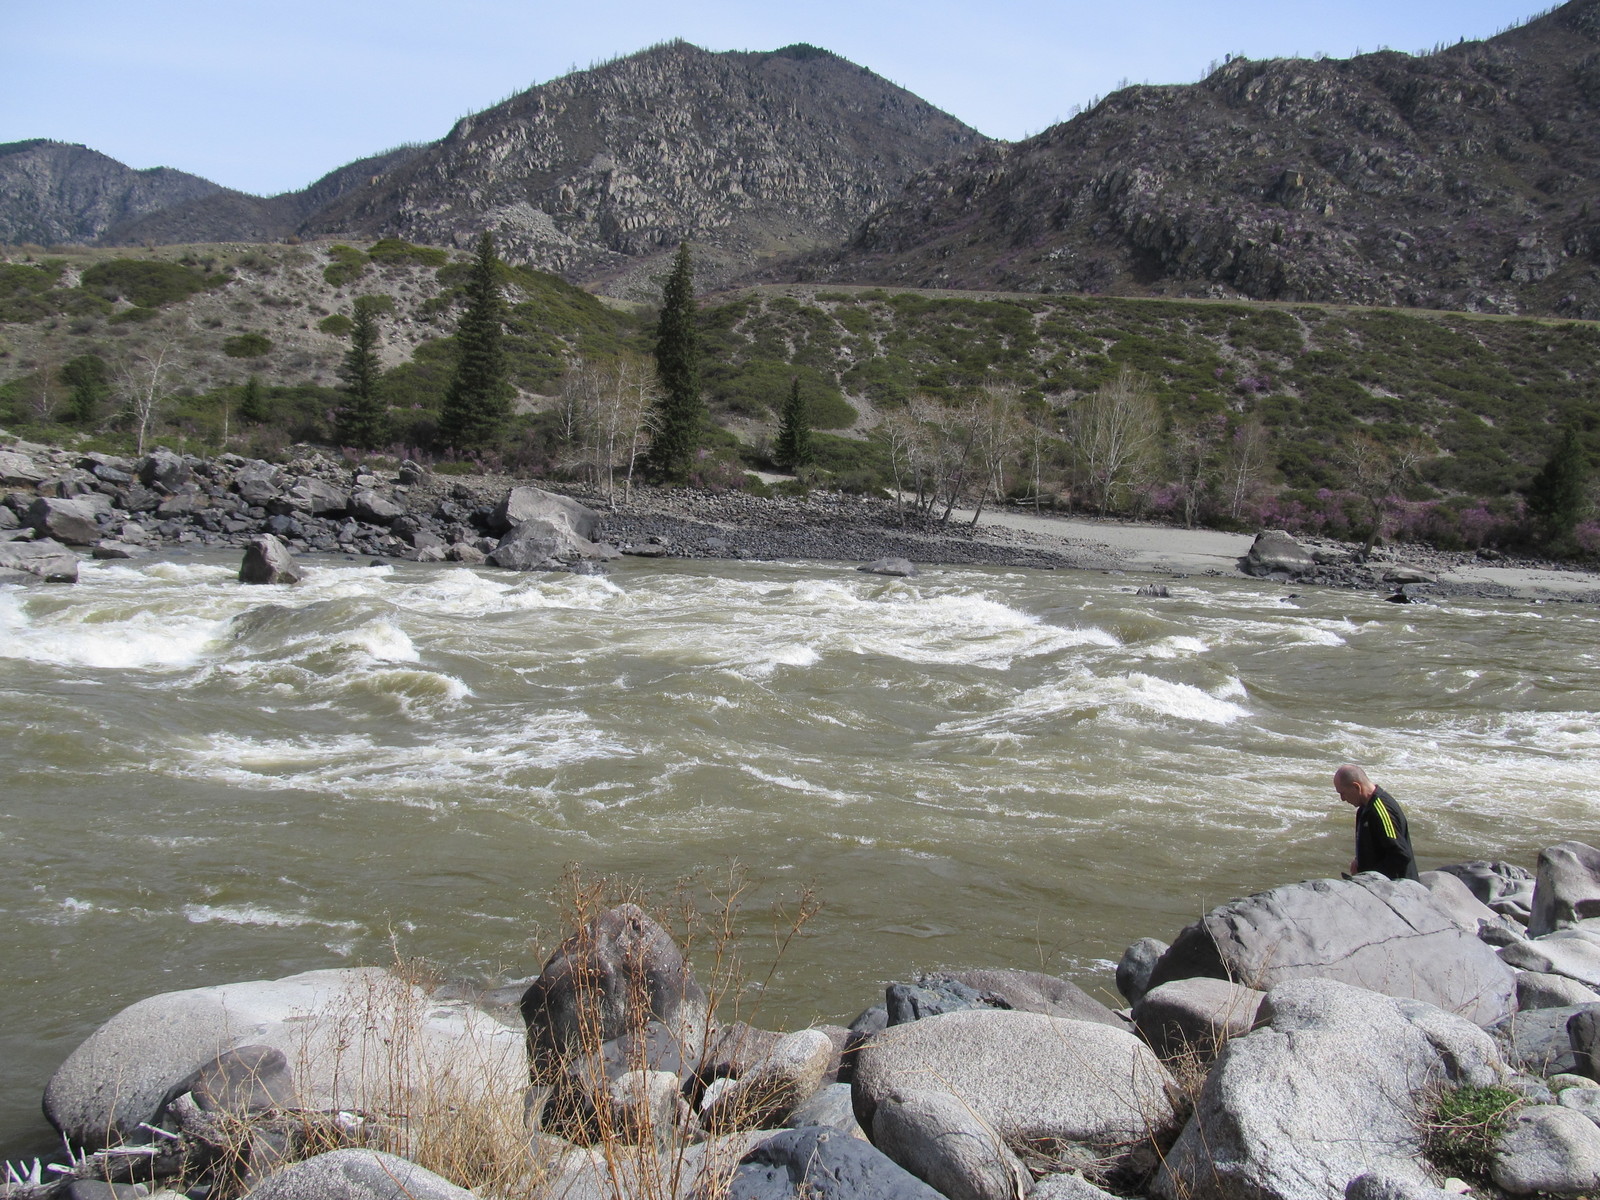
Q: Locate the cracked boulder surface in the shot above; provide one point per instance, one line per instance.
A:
(1388, 936)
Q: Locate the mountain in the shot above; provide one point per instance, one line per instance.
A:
(749, 155)
(55, 192)
(1464, 179)
(601, 172)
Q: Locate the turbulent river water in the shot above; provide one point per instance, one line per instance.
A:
(206, 782)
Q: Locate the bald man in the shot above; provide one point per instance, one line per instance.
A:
(1383, 843)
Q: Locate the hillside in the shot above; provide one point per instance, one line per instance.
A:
(1465, 179)
(593, 175)
(53, 192)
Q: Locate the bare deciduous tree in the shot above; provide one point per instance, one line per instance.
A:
(1377, 472)
(1116, 435)
(603, 416)
(1244, 464)
(1193, 452)
(145, 384)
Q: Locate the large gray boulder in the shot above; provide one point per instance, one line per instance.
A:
(1548, 1149)
(942, 1141)
(1537, 1040)
(1567, 888)
(1538, 990)
(18, 470)
(1092, 1092)
(69, 521)
(1574, 953)
(1276, 554)
(900, 568)
(538, 544)
(48, 559)
(312, 496)
(1066, 1187)
(356, 1175)
(533, 504)
(267, 560)
(1199, 1015)
(258, 483)
(822, 1164)
(351, 1037)
(366, 505)
(1583, 1035)
(1379, 1185)
(764, 1095)
(1033, 991)
(1328, 1088)
(164, 469)
(1505, 888)
(1385, 935)
(611, 978)
(1455, 899)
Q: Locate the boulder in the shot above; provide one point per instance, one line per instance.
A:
(1583, 1036)
(356, 1175)
(540, 545)
(830, 1106)
(1585, 1100)
(465, 552)
(1137, 964)
(69, 521)
(611, 978)
(1403, 573)
(942, 1141)
(258, 483)
(1275, 554)
(1092, 1092)
(734, 1049)
(1538, 990)
(1385, 935)
(267, 560)
(48, 559)
(1379, 1185)
(352, 1037)
(1506, 888)
(311, 496)
(1574, 953)
(822, 1164)
(366, 505)
(18, 470)
(1457, 901)
(532, 504)
(1032, 991)
(1201, 1015)
(901, 568)
(107, 549)
(1329, 1087)
(1547, 1149)
(786, 1076)
(1537, 1040)
(241, 1082)
(164, 469)
(1066, 1187)
(1567, 888)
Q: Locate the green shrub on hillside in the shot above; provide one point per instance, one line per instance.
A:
(337, 325)
(247, 345)
(145, 283)
(388, 251)
(348, 264)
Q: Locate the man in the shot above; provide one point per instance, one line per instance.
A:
(1383, 843)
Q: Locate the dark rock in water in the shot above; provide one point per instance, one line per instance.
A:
(1275, 553)
(69, 521)
(1400, 597)
(823, 1164)
(1138, 962)
(620, 971)
(1155, 591)
(241, 1082)
(49, 560)
(356, 1175)
(267, 560)
(1388, 936)
(530, 503)
(1567, 890)
(901, 568)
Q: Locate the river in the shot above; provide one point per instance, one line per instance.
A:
(206, 782)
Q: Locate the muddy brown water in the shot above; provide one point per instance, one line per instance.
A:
(206, 782)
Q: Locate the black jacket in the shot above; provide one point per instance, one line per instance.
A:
(1383, 843)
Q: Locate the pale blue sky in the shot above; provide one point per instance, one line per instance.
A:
(268, 95)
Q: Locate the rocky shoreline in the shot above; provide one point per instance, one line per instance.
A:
(1311, 1042)
(61, 503)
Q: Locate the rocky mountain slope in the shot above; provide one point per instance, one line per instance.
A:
(596, 174)
(55, 192)
(1468, 178)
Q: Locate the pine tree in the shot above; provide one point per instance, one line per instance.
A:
(90, 381)
(1558, 497)
(793, 448)
(679, 412)
(478, 403)
(361, 417)
(253, 402)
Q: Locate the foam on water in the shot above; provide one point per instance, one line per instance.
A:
(253, 914)
(77, 636)
(1131, 697)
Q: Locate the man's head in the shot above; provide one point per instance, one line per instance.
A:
(1352, 784)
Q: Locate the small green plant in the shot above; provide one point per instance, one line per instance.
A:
(1460, 1127)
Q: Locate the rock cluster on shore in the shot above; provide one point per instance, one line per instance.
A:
(1298, 1044)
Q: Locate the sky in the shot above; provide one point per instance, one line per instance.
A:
(268, 95)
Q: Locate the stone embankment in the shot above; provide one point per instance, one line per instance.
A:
(1307, 1043)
